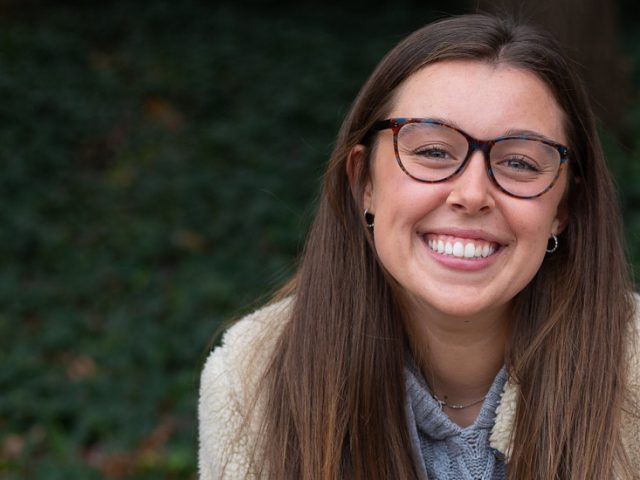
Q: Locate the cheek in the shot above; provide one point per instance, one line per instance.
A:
(406, 203)
(533, 225)
(534, 220)
(394, 194)
(396, 197)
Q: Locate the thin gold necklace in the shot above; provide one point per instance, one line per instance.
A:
(443, 403)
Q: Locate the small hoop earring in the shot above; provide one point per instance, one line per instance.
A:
(555, 244)
(368, 218)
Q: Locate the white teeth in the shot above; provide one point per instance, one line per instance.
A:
(461, 250)
(469, 250)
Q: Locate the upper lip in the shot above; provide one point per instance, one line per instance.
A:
(468, 233)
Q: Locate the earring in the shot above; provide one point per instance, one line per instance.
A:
(555, 244)
(368, 218)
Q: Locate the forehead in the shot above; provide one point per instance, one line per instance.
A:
(484, 99)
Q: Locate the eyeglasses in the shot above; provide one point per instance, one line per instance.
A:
(429, 151)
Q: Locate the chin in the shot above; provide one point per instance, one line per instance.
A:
(456, 309)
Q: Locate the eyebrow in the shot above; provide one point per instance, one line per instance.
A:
(516, 132)
(512, 132)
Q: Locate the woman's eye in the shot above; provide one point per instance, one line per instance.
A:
(520, 163)
(432, 152)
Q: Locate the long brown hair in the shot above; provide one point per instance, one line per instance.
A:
(334, 393)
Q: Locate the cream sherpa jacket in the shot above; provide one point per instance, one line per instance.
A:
(230, 377)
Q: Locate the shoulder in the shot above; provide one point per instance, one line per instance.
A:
(505, 413)
(227, 386)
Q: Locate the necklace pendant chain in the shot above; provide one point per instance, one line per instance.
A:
(453, 406)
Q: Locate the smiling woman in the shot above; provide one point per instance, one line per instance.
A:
(463, 306)
(465, 207)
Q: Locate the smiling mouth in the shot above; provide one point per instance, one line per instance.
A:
(461, 247)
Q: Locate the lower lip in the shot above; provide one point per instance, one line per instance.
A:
(461, 263)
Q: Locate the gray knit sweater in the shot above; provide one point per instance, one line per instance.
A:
(442, 449)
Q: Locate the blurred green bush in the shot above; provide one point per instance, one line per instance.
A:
(160, 161)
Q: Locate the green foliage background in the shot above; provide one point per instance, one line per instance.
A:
(159, 165)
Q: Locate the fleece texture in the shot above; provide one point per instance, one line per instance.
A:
(228, 409)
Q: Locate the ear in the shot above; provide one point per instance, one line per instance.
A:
(562, 218)
(359, 180)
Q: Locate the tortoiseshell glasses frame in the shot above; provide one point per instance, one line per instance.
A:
(473, 144)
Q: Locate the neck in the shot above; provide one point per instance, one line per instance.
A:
(460, 357)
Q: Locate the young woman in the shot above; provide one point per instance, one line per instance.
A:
(463, 307)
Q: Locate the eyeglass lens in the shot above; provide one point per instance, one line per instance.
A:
(431, 152)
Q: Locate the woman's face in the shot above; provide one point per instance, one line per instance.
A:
(486, 101)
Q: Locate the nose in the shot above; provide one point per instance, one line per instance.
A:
(472, 191)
